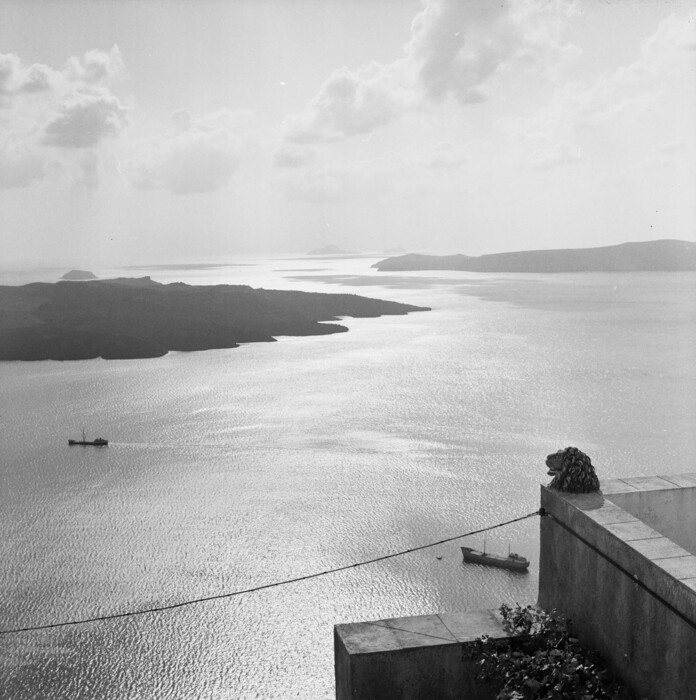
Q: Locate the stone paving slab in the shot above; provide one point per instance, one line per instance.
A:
(690, 582)
(610, 513)
(681, 480)
(679, 567)
(398, 633)
(636, 530)
(471, 625)
(420, 631)
(648, 483)
(658, 548)
(616, 486)
(366, 638)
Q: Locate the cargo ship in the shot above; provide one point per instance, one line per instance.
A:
(97, 442)
(512, 561)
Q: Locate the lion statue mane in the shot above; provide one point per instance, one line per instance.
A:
(572, 471)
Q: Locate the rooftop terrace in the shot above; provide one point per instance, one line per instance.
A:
(620, 563)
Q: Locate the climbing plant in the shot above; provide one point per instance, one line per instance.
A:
(542, 661)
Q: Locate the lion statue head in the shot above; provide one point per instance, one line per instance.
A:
(572, 471)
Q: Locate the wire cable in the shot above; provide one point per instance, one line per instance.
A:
(220, 596)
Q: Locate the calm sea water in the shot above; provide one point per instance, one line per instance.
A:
(232, 469)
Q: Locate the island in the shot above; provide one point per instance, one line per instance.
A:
(659, 256)
(78, 275)
(129, 318)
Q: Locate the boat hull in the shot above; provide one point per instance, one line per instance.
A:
(474, 556)
(94, 443)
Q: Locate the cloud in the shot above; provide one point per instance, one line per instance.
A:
(561, 154)
(96, 67)
(52, 119)
(349, 103)
(668, 155)
(20, 166)
(17, 79)
(450, 58)
(86, 122)
(446, 155)
(195, 156)
(455, 49)
(676, 146)
(652, 94)
(88, 171)
(345, 181)
(294, 157)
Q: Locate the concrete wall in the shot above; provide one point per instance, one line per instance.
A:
(672, 512)
(630, 592)
(412, 658)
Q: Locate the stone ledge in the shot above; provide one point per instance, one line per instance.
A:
(626, 540)
(412, 657)
(622, 565)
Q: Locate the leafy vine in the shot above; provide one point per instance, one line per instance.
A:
(541, 660)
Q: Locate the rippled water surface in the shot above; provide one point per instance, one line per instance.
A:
(232, 469)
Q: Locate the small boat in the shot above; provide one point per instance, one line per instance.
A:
(512, 561)
(97, 442)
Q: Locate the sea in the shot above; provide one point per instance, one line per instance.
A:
(233, 469)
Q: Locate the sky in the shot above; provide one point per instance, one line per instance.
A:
(156, 131)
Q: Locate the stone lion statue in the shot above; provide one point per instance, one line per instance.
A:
(572, 471)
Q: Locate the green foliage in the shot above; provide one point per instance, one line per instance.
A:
(542, 661)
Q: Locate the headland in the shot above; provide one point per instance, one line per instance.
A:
(130, 318)
(649, 256)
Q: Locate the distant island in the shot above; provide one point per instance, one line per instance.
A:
(664, 255)
(331, 250)
(137, 318)
(76, 275)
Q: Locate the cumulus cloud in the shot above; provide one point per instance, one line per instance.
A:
(349, 103)
(195, 156)
(17, 79)
(658, 85)
(96, 67)
(450, 58)
(48, 115)
(294, 157)
(86, 122)
(454, 50)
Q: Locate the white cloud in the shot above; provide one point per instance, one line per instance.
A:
(455, 49)
(294, 156)
(17, 79)
(652, 95)
(85, 122)
(561, 154)
(51, 118)
(88, 171)
(19, 164)
(677, 146)
(349, 103)
(446, 155)
(196, 155)
(96, 67)
(357, 180)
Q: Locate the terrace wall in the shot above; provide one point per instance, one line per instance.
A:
(630, 591)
